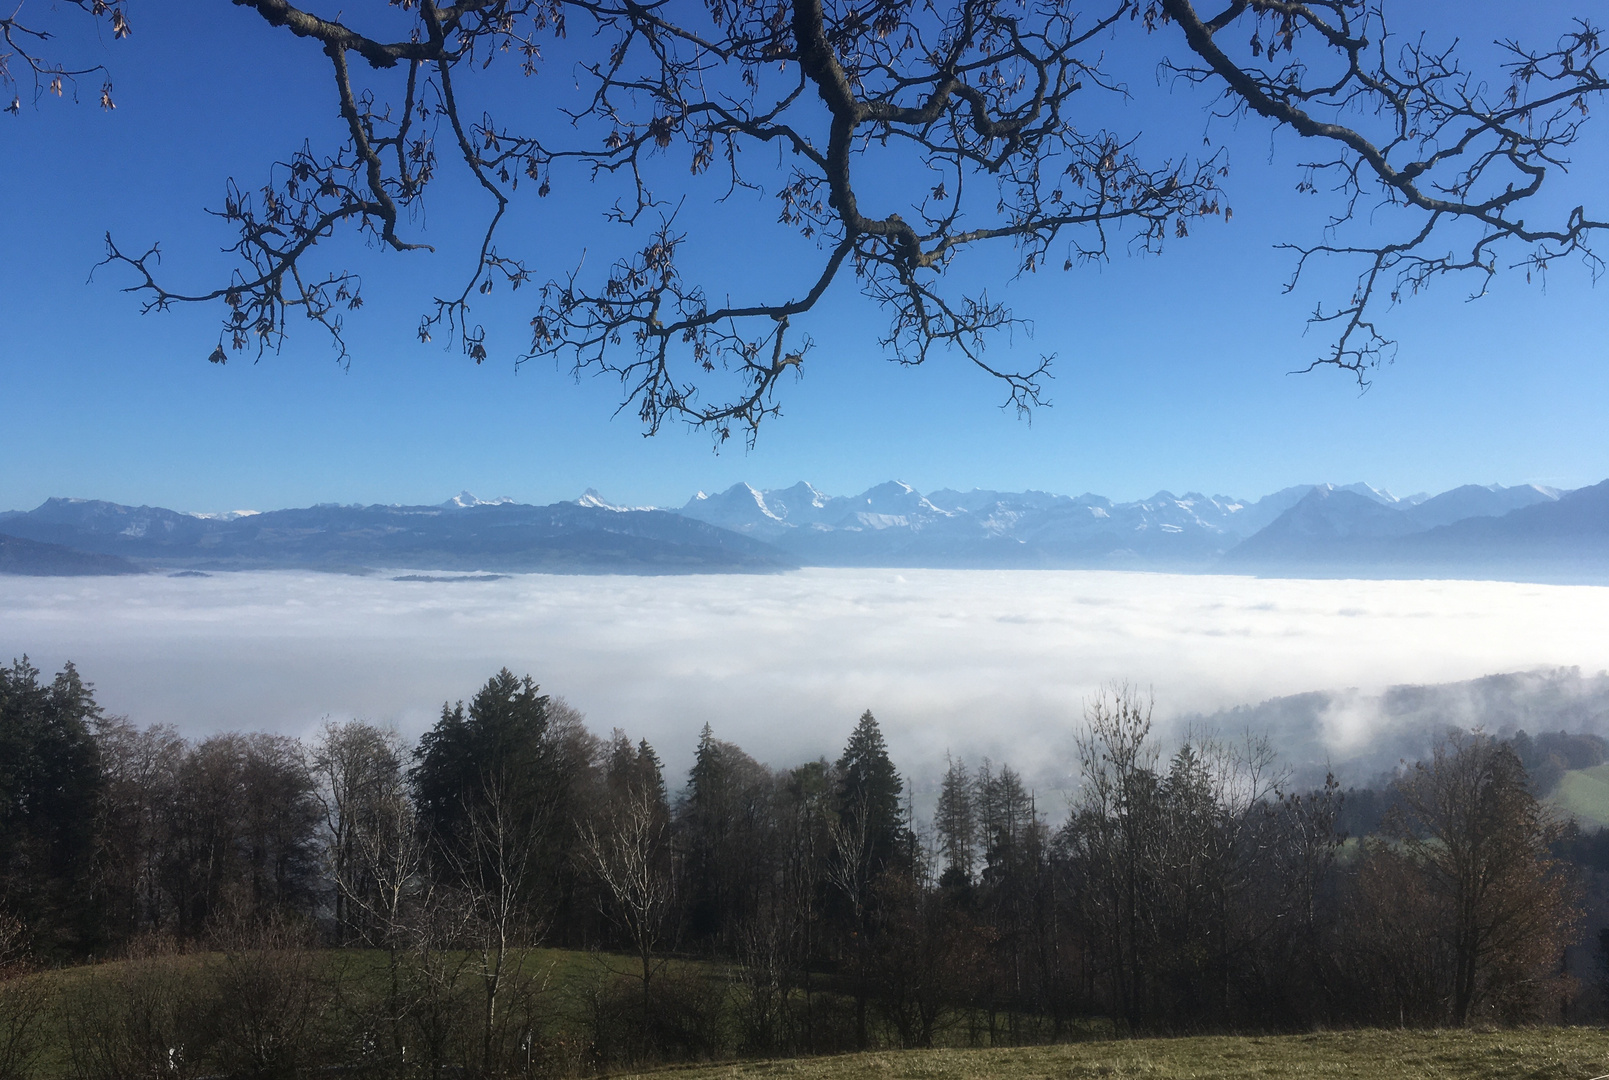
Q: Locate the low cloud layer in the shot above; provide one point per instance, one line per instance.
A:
(992, 663)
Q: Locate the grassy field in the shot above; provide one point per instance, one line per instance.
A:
(1584, 794)
(1519, 1054)
(1524, 1054)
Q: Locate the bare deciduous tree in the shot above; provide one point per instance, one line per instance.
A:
(24, 55)
(628, 852)
(497, 874)
(1112, 834)
(1477, 838)
(906, 138)
(362, 790)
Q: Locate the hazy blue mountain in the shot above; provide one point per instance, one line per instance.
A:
(892, 524)
(980, 499)
(1333, 532)
(22, 556)
(1309, 530)
(109, 527)
(1474, 500)
(1168, 528)
(1565, 538)
(1258, 515)
(1316, 529)
(1381, 495)
(586, 536)
(1327, 525)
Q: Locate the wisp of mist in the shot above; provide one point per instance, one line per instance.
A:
(980, 663)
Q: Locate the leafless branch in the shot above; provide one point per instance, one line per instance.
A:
(907, 137)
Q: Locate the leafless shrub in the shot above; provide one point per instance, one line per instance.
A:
(147, 1016)
(25, 1001)
(269, 999)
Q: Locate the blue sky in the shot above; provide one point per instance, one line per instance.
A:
(1172, 371)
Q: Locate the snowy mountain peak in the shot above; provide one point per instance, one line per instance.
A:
(758, 500)
(225, 515)
(892, 523)
(590, 497)
(1379, 495)
(895, 498)
(464, 500)
(801, 494)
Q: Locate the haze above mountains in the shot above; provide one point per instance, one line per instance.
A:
(1526, 532)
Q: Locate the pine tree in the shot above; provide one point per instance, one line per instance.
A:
(705, 820)
(50, 784)
(491, 767)
(868, 793)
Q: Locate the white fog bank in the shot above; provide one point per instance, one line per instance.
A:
(991, 663)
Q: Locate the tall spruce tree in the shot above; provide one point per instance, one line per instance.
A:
(50, 785)
(488, 766)
(724, 821)
(869, 836)
(705, 819)
(868, 795)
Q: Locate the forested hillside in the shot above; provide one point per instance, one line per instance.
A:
(1188, 887)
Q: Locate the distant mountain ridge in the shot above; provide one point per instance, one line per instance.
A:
(1527, 532)
(1312, 528)
(30, 557)
(463, 533)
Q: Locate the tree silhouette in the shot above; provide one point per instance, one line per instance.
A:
(901, 143)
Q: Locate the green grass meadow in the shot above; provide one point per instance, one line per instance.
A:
(1584, 795)
(1539, 1053)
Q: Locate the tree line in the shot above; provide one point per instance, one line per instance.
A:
(1187, 889)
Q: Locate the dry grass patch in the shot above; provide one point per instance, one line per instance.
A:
(1521, 1054)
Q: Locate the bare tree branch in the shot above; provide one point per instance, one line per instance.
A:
(907, 138)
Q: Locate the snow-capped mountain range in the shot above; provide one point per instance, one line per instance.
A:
(894, 522)
(1525, 532)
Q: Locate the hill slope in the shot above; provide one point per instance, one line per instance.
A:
(22, 556)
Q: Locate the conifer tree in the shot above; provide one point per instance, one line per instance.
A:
(706, 820)
(869, 790)
(498, 739)
(956, 826)
(490, 795)
(50, 782)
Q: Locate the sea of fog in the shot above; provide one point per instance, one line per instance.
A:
(995, 663)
